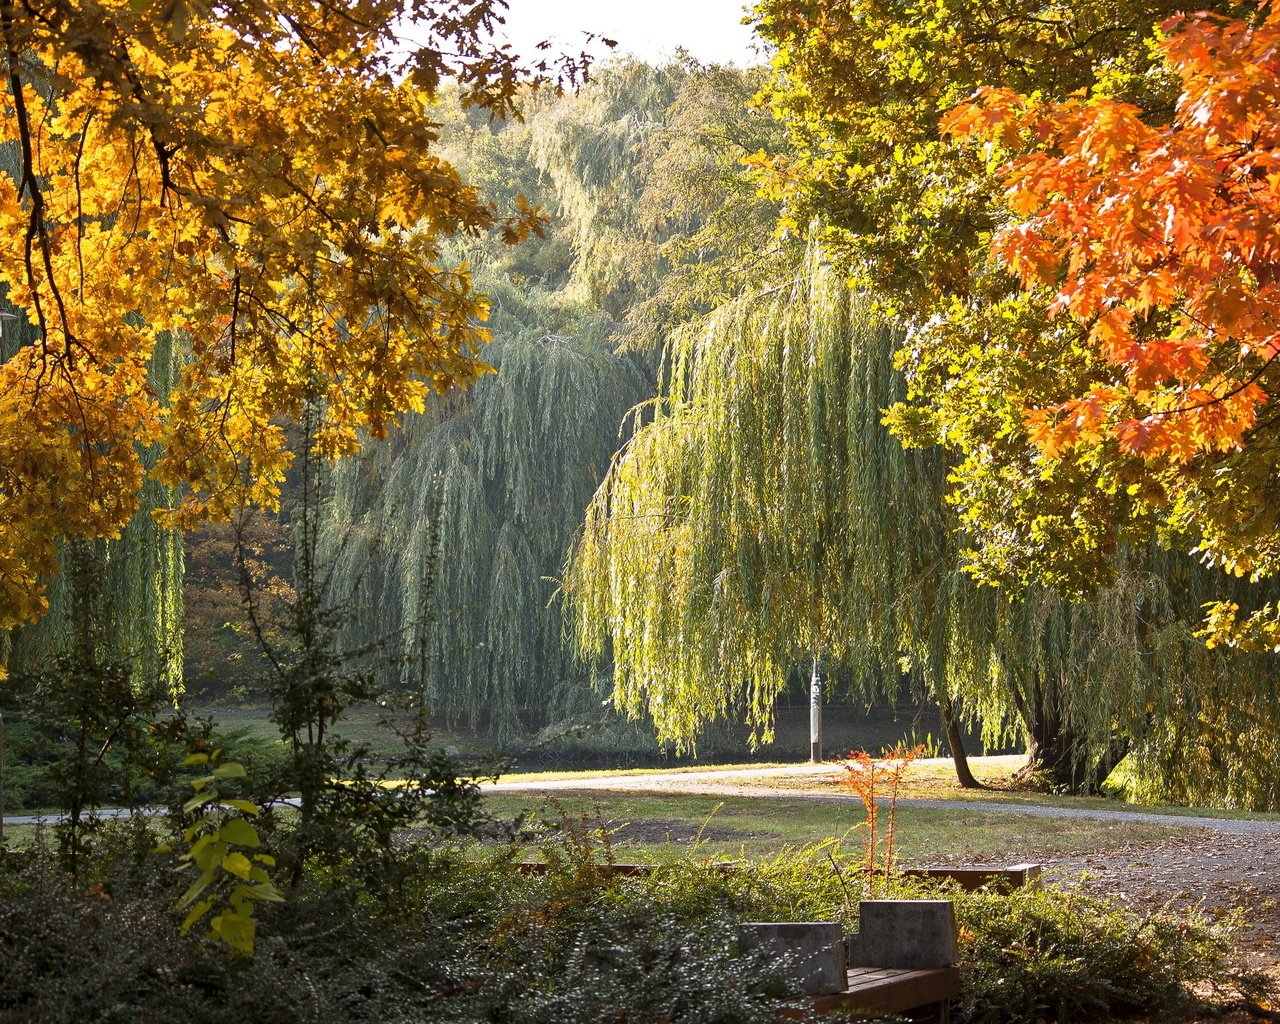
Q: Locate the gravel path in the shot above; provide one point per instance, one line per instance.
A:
(1215, 873)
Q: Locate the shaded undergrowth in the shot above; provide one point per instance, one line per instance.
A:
(461, 933)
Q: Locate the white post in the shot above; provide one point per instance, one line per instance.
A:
(815, 712)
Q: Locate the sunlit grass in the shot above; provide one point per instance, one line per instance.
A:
(927, 779)
(662, 827)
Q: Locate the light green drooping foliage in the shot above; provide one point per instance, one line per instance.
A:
(645, 167)
(491, 484)
(766, 514)
(732, 538)
(590, 152)
(120, 600)
(1199, 723)
(497, 481)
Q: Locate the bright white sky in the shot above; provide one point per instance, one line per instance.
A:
(651, 29)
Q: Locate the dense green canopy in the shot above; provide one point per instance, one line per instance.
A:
(766, 515)
(447, 538)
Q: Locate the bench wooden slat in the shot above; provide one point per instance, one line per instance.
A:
(970, 879)
(874, 990)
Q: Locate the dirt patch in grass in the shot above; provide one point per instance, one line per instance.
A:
(1218, 874)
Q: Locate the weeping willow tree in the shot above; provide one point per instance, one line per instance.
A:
(1202, 725)
(764, 515)
(447, 538)
(591, 153)
(644, 170)
(117, 600)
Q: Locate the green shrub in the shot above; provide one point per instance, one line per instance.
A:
(461, 942)
(1052, 954)
(464, 936)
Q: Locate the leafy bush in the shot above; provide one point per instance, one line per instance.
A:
(445, 949)
(465, 936)
(1053, 954)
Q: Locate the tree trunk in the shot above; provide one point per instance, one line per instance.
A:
(1057, 757)
(964, 775)
(6, 642)
(1052, 757)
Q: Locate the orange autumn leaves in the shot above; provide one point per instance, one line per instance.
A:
(1161, 240)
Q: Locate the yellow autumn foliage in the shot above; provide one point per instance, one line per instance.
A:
(257, 182)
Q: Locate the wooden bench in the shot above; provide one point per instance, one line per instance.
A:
(922, 994)
(901, 961)
(1016, 876)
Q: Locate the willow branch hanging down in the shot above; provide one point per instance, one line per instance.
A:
(761, 511)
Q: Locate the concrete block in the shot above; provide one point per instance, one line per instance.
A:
(814, 951)
(904, 934)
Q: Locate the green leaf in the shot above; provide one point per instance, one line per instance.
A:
(209, 858)
(255, 891)
(236, 864)
(245, 806)
(234, 930)
(196, 759)
(267, 891)
(194, 915)
(239, 832)
(230, 770)
(195, 889)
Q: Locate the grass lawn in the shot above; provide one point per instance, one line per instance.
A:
(935, 779)
(665, 827)
(847, 726)
(361, 726)
(931, 779)
(661, 827)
